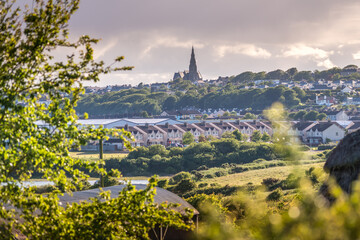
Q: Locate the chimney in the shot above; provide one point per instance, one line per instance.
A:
(126, 127)
(146, 125)
(167, 125)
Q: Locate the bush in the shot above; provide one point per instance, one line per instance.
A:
(304, 148)
(269, 183)
(259, 160)
(198, 176)
(202, 167)
(209, 175)
(186, 185)
(201, 185)
(179, 177)
(275, 195)
(108, 181)
(326, 146)
(220, 173)
(162, 183)
(225, 165)
(45, 189)
(291, 182)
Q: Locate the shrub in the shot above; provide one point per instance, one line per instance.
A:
(214, 185)
(304, 148)
(275, 195)
(201, 185)
(269, 183)
(220, 173)
(202, 167)
(326, 146)
(291, 182)
(185, 185)
(225, 165)
(198, 176)
(162, 183)
(45, 189)
(259, 160)
(179, 177)
(209, 175)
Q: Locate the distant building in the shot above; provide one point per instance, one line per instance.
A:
(193, 74)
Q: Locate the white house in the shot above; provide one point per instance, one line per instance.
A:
(323, 132)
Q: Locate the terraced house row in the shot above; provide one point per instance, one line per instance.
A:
(169, 134)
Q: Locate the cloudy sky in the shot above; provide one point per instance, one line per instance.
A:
(229, 36)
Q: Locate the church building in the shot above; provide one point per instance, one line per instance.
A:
(193, 74)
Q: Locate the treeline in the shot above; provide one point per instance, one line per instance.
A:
(138, 101)
(294, 75)
(156, 159)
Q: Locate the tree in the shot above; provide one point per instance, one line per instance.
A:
(256, 136)
(227, 135)
(226, 114)
(188, 138)
(144, 114)
(170, 103)
(249, 116)
(239, 136)
(311, 116)
(202, 138)
(265, 137)
(35, 138)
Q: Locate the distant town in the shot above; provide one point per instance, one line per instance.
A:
(321, 105)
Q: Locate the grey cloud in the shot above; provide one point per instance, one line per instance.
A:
(155, 36)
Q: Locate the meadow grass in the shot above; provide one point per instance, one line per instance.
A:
(95, 155)
(256, 176)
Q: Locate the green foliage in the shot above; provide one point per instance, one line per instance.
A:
(163, 183)
(239, 136)
(275, 195)
(265, 137)
(184, 186)
(225, 146)
(99, 218)
(269, 183)
(199, 201)
(188, 138)
(291, 182)
(179, 177)
(328, 146)
(36, 138)
(256, 136)
(250, 116)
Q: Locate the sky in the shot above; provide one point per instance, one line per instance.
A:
(229, 36)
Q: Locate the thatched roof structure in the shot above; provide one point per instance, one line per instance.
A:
(343, 162)
(161, 196)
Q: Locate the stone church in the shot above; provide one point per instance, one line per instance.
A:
(193, 74)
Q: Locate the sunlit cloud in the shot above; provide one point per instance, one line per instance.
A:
(320, 56)
(244, 49)
(170, 42)
(356, 55)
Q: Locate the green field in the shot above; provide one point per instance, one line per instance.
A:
(256, 176)
(95, 155)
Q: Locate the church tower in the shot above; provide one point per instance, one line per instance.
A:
(193, 72)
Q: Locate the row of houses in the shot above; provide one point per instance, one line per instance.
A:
(172, 134)
(169, 132)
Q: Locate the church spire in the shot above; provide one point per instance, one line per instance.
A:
(193, 72)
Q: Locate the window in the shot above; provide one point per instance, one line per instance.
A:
(337, 134)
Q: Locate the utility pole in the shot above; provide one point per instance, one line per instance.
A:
(101, 148)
